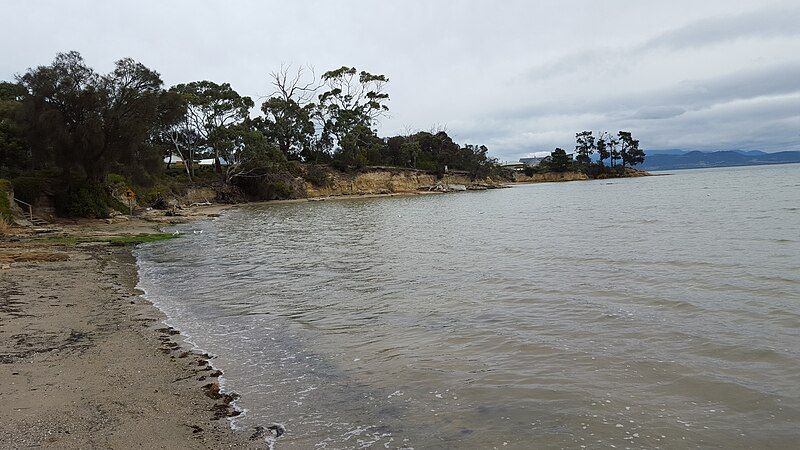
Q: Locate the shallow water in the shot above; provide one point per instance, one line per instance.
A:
(641, 313)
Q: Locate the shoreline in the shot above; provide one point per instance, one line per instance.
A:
(62, 284)
(89, 361)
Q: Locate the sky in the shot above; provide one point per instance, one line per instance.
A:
(517, 76)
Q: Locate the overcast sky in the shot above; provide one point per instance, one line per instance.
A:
(517, 76)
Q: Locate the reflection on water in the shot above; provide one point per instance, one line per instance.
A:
(641, 313)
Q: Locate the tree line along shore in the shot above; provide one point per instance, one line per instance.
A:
(87, 144)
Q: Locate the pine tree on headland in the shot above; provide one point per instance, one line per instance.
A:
(584, 148)
(625, 142)
(630, 152)
(613, 148)
(559, 161)
(602, 148)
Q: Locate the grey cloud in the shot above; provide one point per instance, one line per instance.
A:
(685, 95)
(765, 23)
(466, 65)
(759, 108)
(658, 112)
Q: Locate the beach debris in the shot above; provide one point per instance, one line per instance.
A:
(277, 429)
(168, 330)
(258, 433)
(223, 409)
(212, 390)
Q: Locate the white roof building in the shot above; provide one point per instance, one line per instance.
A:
(210, 162)
(173, 159)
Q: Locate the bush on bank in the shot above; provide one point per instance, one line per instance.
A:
(5, 207)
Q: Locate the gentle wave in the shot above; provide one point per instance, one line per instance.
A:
(536, 316)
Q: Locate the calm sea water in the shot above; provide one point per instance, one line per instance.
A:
(659, 312)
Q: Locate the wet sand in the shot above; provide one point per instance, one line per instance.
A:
(87, 363)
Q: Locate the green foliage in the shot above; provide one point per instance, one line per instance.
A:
(584, 148)
(269, 187)
(116, 180)
(622, 147)
(629, 149)
(118, 240)
(348, 108)
(14, 150)
(529, 171)
(87, 124)
(87, 199)
(29, 188)
(437, 153)
(5, 206)
(603, 148)
(318, 175)
(358, 148)
(289, 124)
(109, 132)
(211, 109)
(559, 161)
(135, 239)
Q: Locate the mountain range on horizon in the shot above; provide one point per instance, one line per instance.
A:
(679, 151)
(694, 159)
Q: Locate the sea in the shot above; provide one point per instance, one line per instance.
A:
(653, 312)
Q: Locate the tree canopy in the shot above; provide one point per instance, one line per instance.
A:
(88, 124)
(66, 118)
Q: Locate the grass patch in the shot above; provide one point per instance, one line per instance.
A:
(121, 240)
(133, 239)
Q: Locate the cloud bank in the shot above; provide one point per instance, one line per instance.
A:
(518, 76)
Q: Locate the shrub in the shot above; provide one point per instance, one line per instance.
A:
(87, 199)
(29, 188)
(115, 179)
(269, 187)
(318, 175)
(5, 207)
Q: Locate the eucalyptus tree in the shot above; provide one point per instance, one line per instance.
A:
(475, 160)
(289, 112)
(210, 109)
(348, 108)
(176, 132)
(256, 155)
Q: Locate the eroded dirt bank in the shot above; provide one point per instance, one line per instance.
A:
(87, 363)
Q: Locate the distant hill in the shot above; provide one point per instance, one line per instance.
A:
(667, 152)
(657, 160)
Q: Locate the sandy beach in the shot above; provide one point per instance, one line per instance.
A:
(87, 361)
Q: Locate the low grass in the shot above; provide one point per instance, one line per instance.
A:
(121, 240)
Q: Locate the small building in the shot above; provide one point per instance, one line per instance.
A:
(174, 160)
(532, 162)
(210, 162)
(516, 166)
